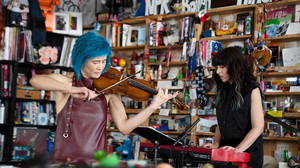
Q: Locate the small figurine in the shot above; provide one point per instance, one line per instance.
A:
(110, 148)
(127, 150)
(16, 12)
(173, 32)
(292, 162)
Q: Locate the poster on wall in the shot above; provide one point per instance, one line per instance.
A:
(278, 21)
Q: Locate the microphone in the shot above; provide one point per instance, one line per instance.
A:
(184, 134)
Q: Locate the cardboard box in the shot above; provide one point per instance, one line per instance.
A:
(27, 92)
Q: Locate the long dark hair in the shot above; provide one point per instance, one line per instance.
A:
(238, 70)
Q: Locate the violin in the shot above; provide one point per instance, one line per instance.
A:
(113, 81)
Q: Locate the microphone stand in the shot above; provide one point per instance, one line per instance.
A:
(181, 138)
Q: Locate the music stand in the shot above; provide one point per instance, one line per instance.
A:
(155, 137)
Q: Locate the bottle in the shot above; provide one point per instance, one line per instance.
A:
(248, 25)
(186, 95)
(2, 113)
(286, 156)
(159, 72)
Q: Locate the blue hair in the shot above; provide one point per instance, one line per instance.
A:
(87, 46)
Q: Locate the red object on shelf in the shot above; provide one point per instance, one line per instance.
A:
(218, 155)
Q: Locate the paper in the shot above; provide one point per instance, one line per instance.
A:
(170, 84)
(229, 18)
(291, 56)
(292, 44)
(204, 125)
(282, 147)
(293, 28)
(164, 112)
(297, 13)
(214, 18)
(193, 93)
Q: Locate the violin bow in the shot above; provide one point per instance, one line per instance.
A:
(121, 81)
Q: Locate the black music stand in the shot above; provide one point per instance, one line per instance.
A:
(155, 137)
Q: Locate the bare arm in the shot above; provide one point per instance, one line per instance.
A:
(257, 122)
(119, 116)
(60, 84)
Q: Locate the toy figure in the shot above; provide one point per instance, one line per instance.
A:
(292, 162)
(16, 12)
(110, 148)
(127, 150)
(46, 8)
(177, 7)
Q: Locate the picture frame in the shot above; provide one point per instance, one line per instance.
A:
(132, 37)
(164, 121)
(75, 23)
(277, 128)
(61, 23)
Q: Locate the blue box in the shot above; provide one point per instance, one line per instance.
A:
(209, 112)
(141, 35)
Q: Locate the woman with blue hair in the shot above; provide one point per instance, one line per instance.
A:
(81, 126)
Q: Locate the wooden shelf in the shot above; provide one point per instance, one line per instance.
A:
(204, 134)
(132, 111)
(211, 94)
(41, 66)
(155, 80)
(112, 130)
(230, 9)
(280, 139)
(275, 74)
(88, 27)
(227, 38)
(282, 3)
(174, 16)
(181, 63)
(290, 115)
(281, 93)
(166, 47)
(286, 38)
(173, 132)
(5, 98)
(128, 47)
(38, 100)
(170, 113)
(38, 126)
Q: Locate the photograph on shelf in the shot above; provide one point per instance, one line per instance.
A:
(277, 128)
(76, 23)
(132, 37)
(61, 23)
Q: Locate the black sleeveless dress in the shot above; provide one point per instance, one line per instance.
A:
(235, 125)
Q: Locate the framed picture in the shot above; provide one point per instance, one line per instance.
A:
(163, 121)
(61, 23)
(75, 23)
(132, 38)
(277, 128)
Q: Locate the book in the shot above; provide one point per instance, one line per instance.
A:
(278, 21)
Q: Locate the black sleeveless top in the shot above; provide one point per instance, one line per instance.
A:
(235, 125)
(81, 128)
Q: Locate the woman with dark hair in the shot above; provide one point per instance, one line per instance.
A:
(239, 106)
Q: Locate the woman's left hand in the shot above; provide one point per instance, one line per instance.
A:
(228, 148)
(161, 97)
